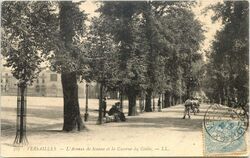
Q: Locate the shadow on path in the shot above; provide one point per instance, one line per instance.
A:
(178, 124)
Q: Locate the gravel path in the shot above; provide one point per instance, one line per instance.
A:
(148, 134)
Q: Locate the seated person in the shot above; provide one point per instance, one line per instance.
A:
(115, 110)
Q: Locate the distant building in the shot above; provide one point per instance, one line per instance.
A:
(48, 84)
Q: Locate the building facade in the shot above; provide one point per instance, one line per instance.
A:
(48, 84)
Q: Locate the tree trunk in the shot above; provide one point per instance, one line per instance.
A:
(72, 117)
(140, 104)
(99, 121)
(174, 100)
(167, 101)
(159, 103)
(181, 101)
(22, 130)
(21, 115)
(170, 100)
(188, 92)
(143, 101)
(153, 103)
(132, 102)
(224, 96)
(163, 101)
(177, 100)
(148, 107)
(121, 101)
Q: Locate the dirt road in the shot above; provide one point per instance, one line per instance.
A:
(149, 134)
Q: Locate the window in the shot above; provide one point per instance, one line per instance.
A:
(6, 78)
(43, 81)
(37, 81)
(53, 87)
(53, 77)
(37, 89)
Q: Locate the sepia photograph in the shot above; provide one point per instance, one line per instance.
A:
(106, 78)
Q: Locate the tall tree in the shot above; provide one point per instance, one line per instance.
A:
(165, 50)
(227, 71)
(23, 40)
(175, 40)
(71, 27)
(165, 24)
(102, 49)
(151, 54)
(26, 28)
(130, 71)
(31, 31)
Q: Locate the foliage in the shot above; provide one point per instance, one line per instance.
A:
(125, 31)
(27, 30)
(68, 54)
(227, 70)
(177, 40)
(34, 31)
(34, 26)
(157, 41)
(31, 34)
(102, 49)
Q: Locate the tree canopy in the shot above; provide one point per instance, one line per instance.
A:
(157, 42)
(227, 70)
(26, 35)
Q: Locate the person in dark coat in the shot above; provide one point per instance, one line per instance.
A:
(115, 110)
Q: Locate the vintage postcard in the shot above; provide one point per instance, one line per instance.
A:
(124, 78)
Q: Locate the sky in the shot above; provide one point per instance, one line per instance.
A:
(90, 6)
(209, 27)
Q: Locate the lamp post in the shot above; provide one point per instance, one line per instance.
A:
(86, 115)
